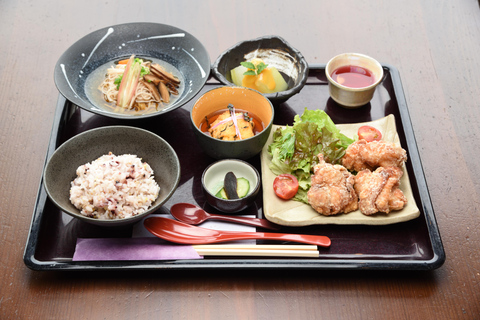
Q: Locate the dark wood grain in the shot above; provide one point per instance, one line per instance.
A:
(435, 46)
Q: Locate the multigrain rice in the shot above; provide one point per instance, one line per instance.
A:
(114, 187)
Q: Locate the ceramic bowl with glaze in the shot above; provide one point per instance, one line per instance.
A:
(82, 68)
(215, 174)
(241, 98)
(275, 52)
(86, 147)
(349, 97)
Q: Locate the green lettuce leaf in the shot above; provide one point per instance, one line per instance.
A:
(322, 119)
(294, 149)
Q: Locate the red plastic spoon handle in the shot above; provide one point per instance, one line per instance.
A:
(179, 232)
(322, 241)
(256, 222)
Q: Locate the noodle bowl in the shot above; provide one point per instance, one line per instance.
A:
(144, 100)
(143, 97)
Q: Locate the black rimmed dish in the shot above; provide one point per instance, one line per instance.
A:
(86, 147)
(214, 175)
(275, 52)
(81, 69)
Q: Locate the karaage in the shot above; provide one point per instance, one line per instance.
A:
(362, 155)
(332, 190)
(379, 191)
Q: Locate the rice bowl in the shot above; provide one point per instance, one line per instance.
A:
(60, 170)
(114, 187)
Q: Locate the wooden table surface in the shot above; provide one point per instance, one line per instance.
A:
(435, 46)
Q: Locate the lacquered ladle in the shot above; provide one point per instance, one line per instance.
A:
(192, 214)
(179, 232)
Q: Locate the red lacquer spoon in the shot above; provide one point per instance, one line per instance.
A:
(179, 232)
(192, 214)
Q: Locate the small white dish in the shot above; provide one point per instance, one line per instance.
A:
(214, 175)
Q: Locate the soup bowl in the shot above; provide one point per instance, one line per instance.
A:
(351, 97)
(81, 69)
(244, 99)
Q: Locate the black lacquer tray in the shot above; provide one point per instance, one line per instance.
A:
(412, 245)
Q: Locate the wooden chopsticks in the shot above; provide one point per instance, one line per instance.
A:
(310, 251)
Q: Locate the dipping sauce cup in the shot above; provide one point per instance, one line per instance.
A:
(350, 96)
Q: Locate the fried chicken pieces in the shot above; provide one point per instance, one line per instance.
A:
(375, 188)
(362, 155)
(379, 191)
(332, 189)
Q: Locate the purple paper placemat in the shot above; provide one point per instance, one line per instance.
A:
(102, 249)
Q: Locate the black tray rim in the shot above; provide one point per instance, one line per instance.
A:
(439, 257)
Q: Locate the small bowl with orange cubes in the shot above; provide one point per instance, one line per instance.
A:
(267, 64)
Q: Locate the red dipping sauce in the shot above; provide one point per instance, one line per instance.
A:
(353, 76)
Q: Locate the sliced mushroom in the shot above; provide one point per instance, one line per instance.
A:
(172, 88)
(164, 92)
(153, 89)
(140, 106)
(160, 72)
(152, 78)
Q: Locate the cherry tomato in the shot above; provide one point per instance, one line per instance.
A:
(285, 186)
(369, 133)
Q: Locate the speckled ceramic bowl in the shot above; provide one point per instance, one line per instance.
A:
(215, 174)
(61, 168)
(81, 69)
(353, 97)
(244, 99)
(275, 52)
